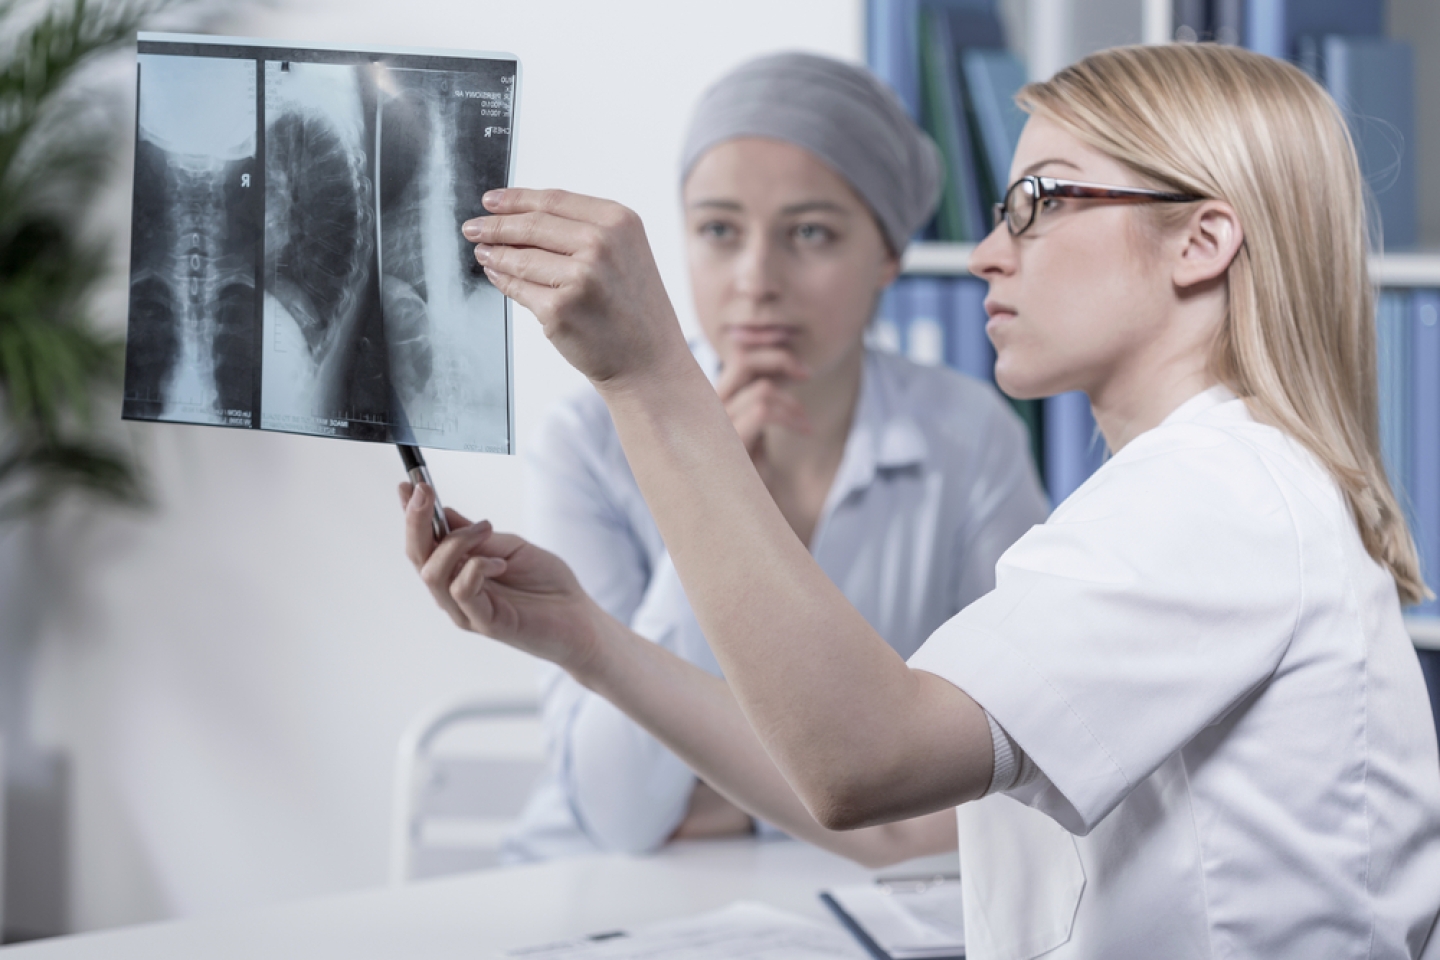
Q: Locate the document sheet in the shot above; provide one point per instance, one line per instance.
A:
(904, 920)
(296, 258)
(741, 931)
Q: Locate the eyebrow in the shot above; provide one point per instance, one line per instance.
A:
(1034, 167)
(794, 209)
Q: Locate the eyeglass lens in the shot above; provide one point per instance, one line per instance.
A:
(1019, 206)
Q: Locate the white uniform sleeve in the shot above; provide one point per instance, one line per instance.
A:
(624, 789)
(1153, 600)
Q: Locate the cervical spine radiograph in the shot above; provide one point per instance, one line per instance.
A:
(191, 351)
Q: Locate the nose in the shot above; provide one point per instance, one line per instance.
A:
(995, 255)
(758, 270)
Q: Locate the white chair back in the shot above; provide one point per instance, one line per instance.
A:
(463, 773)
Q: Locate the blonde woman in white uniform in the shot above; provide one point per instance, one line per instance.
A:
(1187, 722)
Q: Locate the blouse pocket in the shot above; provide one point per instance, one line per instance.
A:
(1021, 880)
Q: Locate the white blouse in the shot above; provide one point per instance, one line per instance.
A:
(935, 483)
(1235, 747)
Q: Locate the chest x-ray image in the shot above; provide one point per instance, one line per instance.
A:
(366, 316)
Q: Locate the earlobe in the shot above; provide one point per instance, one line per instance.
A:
(1213, 238)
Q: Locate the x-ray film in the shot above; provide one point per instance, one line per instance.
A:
(296, 257)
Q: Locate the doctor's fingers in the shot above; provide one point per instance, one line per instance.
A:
(472, 600)
(559, 203)
(543, 231)
(543, 268)
(438, 573)
(419, 505)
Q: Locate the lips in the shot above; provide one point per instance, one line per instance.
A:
(996, 310)
(750, 335)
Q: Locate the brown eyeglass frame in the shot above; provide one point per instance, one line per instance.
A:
(1047, 187)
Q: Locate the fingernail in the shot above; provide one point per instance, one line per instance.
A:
(482, 253)
(471, 229)
(493, 198)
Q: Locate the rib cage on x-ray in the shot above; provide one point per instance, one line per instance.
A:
(366, 317)
(397, 331)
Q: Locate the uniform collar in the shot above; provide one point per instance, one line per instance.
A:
(1205, 400)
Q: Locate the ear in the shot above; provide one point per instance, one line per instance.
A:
(1211, 239)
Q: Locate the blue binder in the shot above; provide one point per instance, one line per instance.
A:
(992, 78)
(969, 349)
(1424, 483)
(1373, 80)
(1074, 448)
(1392, 348)
(1273, 27)
(924, 328)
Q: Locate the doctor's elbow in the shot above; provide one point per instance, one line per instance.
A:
(842, 804)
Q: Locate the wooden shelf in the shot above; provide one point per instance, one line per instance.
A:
(1389, 270)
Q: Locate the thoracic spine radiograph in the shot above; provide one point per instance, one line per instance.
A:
(191, 351)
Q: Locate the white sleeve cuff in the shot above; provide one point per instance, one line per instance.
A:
(1013, 768)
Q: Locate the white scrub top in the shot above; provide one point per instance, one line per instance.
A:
(936, 481)
(1213, 677)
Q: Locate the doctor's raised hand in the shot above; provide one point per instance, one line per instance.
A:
(583, 266)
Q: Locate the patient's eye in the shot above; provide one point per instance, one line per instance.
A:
(717, 231)
(814, 234)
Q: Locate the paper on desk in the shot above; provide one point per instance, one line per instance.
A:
(741, 931)
(908, 921)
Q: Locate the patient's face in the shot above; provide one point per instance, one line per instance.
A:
(782, 253)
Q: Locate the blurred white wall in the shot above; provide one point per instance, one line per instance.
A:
(227, 676)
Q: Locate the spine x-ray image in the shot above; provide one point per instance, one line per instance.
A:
(360, 311)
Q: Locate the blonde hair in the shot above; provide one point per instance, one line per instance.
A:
(1298, 341)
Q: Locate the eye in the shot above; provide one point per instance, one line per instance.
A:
(813, 234)
(717, 231)
(1050, 203)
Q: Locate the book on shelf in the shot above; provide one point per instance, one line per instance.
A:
(892, 45)
(1074, 448)
(992, 78)
(1373, 80)
(923, 328)
(961, 214)
(1275, 27)
(1392, 348)
(1422, 486)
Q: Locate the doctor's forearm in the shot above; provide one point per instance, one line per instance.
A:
(858, 745)
(696, 716)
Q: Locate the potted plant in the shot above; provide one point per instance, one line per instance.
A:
(56, 152)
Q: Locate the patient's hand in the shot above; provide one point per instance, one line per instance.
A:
(754, 386)
(500, 585)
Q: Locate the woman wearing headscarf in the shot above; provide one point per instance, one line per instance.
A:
(802, 181)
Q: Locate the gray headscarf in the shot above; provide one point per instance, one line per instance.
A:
(841, 113)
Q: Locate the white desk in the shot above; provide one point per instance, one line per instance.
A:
(475, 915)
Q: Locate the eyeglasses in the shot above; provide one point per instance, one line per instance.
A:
(1024, 198)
